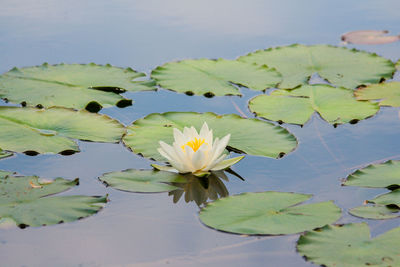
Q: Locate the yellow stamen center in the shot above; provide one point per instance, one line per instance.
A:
(194, 144)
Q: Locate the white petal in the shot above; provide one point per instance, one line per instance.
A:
(182, 158)
(169, 150)
(199, 159)
(179, 137)
(186, 132)
(209, 138)
(204, 130)
(193, 133)
(216, 162)
(165, 155)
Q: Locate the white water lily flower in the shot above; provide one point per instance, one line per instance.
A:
(196, 152)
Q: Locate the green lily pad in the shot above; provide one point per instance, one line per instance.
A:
(335, 105)
(214, 77)
(33, 131)
(250, 136)
(75, 86)
(268, 213)
(5, 154)
(24, 199)
(388, 94)
(339, 65)
(376, 212)
(377, 176)
(350, 245)
(143, 181)
(391, 198)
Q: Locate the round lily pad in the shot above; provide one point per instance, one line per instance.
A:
(339, 65)
(34, 131)
(268, 213)
(377, 176)
(388, 94)
(143, 181)
(350, 245)
(75, 86)
(26, 201)
(5, 154)
(335, 105)
(214, 77)
(250, 136)
(376, 212)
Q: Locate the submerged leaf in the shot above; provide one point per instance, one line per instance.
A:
(23, 200)
(36, 131)
(75, 86)
(391, 198)
(335, 105)
(214, 77)
(143, 181)
(339, 65)
(248, 136)
(388, 94)
(371, 37)
(350, 245)
(268, 213)
(382, 175)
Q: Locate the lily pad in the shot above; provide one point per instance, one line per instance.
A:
(388, 94)
(268, 213)
(350, 245)
(339, 65)
(75, 86)
(376, 212)
(34, 131)
(143, 181)
(24, 199)
(335, 105)
(250, 136)
(376, 176)
(391, 198)
(214, 77)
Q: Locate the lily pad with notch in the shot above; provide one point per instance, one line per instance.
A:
(250, 136)
(350, 245)
(340, 66)
(35, 131)
(376, 212)
(268, 213)
(335, 105)
(383, 175)
(26, 201)
(214, 77)
(75, 86)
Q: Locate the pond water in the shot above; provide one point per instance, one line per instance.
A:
(149, 229)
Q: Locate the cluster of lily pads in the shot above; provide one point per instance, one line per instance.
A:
(60, 104)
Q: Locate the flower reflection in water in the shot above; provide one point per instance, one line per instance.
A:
(202, 189)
